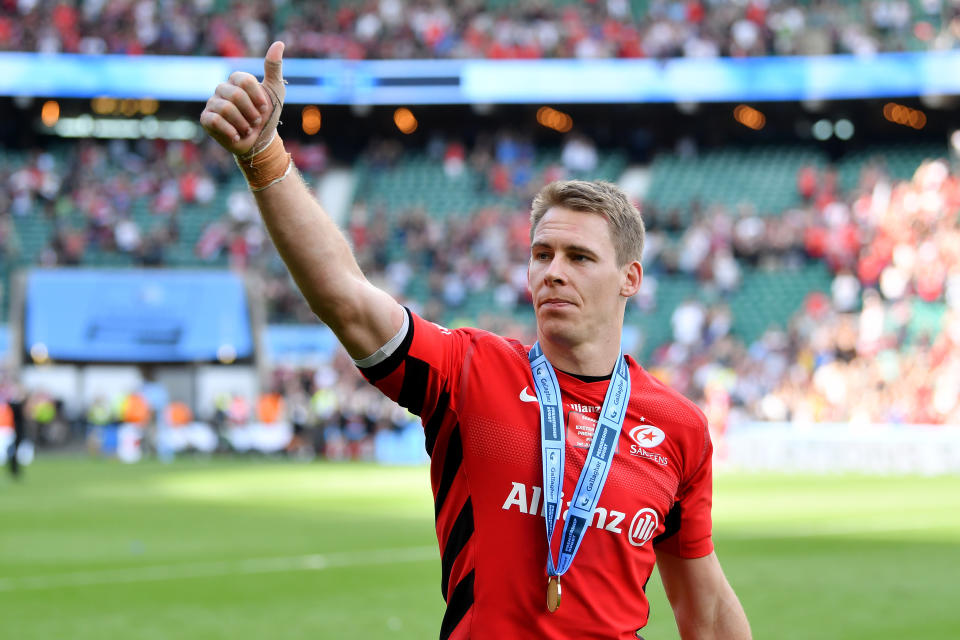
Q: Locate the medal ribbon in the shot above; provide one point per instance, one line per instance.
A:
(597, 466)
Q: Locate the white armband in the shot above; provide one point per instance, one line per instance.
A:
(386, 350)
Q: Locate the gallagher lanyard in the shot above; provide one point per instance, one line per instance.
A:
(594, 473)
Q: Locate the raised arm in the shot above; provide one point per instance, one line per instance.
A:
(242, 116)
(704, 604)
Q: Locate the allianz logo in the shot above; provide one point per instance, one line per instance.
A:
(642, 527)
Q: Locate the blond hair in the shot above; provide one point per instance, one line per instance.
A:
(603, 198)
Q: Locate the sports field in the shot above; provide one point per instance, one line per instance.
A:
(92, 549)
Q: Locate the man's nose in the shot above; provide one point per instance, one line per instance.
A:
(554, 273)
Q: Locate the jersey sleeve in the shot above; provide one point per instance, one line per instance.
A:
(689, 524)
(423, 373)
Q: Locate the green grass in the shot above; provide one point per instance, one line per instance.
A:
(254, 549)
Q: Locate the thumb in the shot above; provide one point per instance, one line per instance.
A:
(275, 91)
(273, 68)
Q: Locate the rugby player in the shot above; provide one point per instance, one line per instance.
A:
(562, 472)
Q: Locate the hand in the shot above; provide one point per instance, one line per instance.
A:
(242, 113)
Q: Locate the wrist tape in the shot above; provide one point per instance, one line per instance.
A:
(266, 166)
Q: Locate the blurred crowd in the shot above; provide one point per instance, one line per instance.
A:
(115, 197)
(326, 410)
(401, 29)
(881, 345)
(136, 202)
(123, 202)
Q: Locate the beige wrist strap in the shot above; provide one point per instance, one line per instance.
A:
(268, 166)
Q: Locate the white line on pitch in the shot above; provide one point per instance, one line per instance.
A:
(836, 530)
(314, 562)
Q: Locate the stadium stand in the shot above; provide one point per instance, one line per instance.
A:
(535, 29)
(738, 243)
(764, 178)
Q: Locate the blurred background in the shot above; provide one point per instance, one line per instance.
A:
(193, 454)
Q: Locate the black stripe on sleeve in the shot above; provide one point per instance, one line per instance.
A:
(451, 465)
(459, 535)
(460, 602)
(431, 428)
(381, 370)
(416, 374)
(671, 524)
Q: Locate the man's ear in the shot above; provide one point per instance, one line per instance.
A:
(633, 276)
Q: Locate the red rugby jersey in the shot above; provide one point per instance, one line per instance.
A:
(474, 393)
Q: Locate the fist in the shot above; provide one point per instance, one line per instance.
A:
(242, 113)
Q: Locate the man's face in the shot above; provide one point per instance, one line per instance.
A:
(574, 279)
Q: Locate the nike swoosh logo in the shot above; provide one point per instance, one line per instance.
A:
(526, 397)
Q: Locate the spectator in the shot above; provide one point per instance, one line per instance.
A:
(579, 155)
(416, 29)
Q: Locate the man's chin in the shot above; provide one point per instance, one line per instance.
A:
(556, 328)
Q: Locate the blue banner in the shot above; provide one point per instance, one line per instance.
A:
(299, 343)
(775, 78)
(137, 315)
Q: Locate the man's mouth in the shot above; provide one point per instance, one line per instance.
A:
(555, 303)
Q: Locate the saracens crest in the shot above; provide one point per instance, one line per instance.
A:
(644, 437)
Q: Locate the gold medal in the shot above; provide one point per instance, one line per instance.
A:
(553, 593)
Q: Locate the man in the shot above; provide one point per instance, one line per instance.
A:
(16, 401)
(634, 466)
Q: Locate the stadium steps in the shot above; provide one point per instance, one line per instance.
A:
(900, 161)
(763, 177)
(654, 325)
(765, 299)
(769, 298)
(419, 182)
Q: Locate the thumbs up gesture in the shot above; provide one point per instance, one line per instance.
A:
(242, 113)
